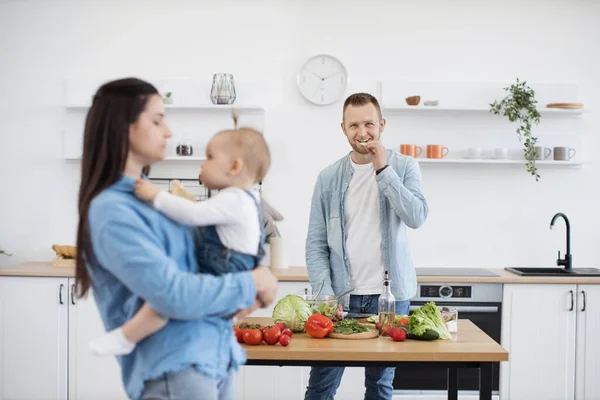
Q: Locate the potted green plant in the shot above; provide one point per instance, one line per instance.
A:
(168, 98)
(520, 106)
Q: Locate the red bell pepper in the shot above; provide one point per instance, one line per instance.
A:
(318, 326)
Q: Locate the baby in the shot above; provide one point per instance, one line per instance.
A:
(229, 237)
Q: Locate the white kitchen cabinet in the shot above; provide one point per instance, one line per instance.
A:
(44, 335)
(33, 338)
(277, 383)
(289, 383)
(551, 340)
(90, 377)
(587, 368)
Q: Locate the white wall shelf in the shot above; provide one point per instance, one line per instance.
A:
(187, 92)
(471, 96)
(169, 158)
(462, 121)
(218, 107)
(571, 163)
(184, 158)
(192, 115)
(544, 111)
(199, 107)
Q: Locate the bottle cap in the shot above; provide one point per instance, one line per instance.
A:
(386, 279)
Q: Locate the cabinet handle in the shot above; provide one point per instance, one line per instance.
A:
(572, 301)
(583, 294)
(73, 294)
(60, 290)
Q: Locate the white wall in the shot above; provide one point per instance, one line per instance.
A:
(479, 216)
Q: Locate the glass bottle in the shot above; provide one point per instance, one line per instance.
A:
(386, 307)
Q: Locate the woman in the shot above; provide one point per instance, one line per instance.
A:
(130, 253)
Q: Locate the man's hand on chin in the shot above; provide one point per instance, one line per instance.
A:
(378, 152)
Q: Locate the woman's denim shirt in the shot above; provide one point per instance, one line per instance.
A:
(141, 255)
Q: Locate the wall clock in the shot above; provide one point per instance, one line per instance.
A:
(323, 79)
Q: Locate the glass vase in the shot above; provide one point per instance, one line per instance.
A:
(223, 89)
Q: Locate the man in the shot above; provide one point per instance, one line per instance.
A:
(360, 209)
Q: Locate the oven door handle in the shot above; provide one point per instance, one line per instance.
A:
(471, 309)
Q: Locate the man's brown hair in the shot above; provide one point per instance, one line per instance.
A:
(359, 100)
(251, 146)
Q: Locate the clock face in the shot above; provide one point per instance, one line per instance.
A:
(323, 79)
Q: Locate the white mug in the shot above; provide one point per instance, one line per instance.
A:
(541, 152)
(475, 152)
(500, 152)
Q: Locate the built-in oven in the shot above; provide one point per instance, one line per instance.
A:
(479, 302)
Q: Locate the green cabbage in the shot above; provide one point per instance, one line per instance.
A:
(293, 311)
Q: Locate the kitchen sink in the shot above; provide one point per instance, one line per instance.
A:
(553, 271)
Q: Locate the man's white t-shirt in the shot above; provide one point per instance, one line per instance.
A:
(232, 210)
(363, 231)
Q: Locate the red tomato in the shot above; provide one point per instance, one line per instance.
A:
(385, 331)
(272, 335)
(239, 332)
(252, 336)
(398, 334)
(288, 332)
(284, 340)
(243, 325)
(318, 326)
(281, 326)
(403, 321)
(239, 335)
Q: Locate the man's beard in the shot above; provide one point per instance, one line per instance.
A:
(358, 148)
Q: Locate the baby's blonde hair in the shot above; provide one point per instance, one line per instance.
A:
(250, 145)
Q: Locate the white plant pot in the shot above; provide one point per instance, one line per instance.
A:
(168, 100)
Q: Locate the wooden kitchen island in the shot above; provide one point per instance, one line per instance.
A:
(470, 347)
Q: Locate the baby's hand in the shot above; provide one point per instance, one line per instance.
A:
(145, 190)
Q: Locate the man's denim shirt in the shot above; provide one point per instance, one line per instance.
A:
(402, 204)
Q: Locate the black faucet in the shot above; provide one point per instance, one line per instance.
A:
(567, 260)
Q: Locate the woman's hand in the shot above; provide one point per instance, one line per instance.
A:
(266, 285)
(266, 289)
(240, 315)
(145, 190)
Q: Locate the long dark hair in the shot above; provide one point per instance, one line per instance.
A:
(116, 105)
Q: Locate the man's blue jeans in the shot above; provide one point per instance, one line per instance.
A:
(324, 381)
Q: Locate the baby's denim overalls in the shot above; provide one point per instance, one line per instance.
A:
(216, 259)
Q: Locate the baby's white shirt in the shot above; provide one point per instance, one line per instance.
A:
(231, 210)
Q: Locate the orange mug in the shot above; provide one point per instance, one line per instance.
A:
(436, 151)
(410, 150)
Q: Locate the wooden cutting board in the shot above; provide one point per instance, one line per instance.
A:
(63, 262)
(363, 335)
(565, 105)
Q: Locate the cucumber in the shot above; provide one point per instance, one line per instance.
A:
(428, 335)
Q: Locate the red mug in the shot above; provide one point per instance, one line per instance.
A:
(436, 151)
(410, 150)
